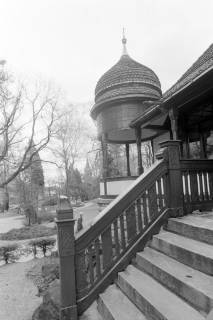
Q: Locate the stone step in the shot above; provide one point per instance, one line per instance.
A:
(196, 254)
(91, 313)
(190, 284)
(114, 305)
(153, 299)
(194, 227)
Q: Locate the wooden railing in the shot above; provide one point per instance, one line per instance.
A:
(197, 176)
(90, 262)
(108, 245)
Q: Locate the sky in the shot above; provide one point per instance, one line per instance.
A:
(73, 42)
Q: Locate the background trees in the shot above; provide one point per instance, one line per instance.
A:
(73, 140)
(30, 187)
(27, 114)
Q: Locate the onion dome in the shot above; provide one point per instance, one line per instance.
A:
(127, 79)
(120, 97)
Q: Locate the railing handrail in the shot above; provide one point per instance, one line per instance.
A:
(121, 203)
(196, 164)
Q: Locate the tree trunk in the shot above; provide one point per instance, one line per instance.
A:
(4, 199)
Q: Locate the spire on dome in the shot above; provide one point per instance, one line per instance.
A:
(124, 41)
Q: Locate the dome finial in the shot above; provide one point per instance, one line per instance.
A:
(124, 43)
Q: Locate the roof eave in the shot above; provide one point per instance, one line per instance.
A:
(164, 106)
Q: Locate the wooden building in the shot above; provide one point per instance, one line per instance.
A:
(149, 253)
(130, 109)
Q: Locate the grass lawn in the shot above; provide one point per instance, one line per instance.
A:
(31, 232)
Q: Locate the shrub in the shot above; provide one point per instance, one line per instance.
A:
(46, 216)
(7, 253)
(50, 202)
(35, 231)
(43, 244)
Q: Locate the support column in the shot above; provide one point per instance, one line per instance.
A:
(138, 142)
(66, 248)
(105, 161)
(202, 146)
(175, 183)
(127, 161)
(173, 114)
(153, 152)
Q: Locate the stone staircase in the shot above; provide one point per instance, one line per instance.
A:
(170, 280)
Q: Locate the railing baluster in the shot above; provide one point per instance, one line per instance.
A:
(211, 184)
(81, 274)
(97, 258)
(166, 189)
(140, 225)
(206, 194)
(194, 186)
(160, 194)
(116, 239)
(122, 231)
(152, 200)
(145, 213)
(106, 238)
(201, 185)
(131, 222)
(90, 265)
(187, 196)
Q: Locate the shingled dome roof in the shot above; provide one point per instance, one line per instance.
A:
(127, 78)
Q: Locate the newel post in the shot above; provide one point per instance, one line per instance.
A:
(175, 184)
(66, 248)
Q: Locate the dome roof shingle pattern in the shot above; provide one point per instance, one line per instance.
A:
(128, 77)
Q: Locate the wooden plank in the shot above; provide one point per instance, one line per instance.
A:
(131, 222)
(106, 238)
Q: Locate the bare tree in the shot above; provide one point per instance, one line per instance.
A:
(26, 119)
(72, 141)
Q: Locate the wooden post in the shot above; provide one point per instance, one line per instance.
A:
(66, 249)
(174, 125)
(138, 142)
(202, 146)
(127, 161)
(105, 162)
(153, 151)
(175, 188)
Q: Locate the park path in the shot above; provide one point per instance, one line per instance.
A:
(10, 222)
(18, 298)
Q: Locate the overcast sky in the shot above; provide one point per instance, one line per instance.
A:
(73, 42)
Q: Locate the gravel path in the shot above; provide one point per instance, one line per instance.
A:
(8, 222)
(18, 298)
